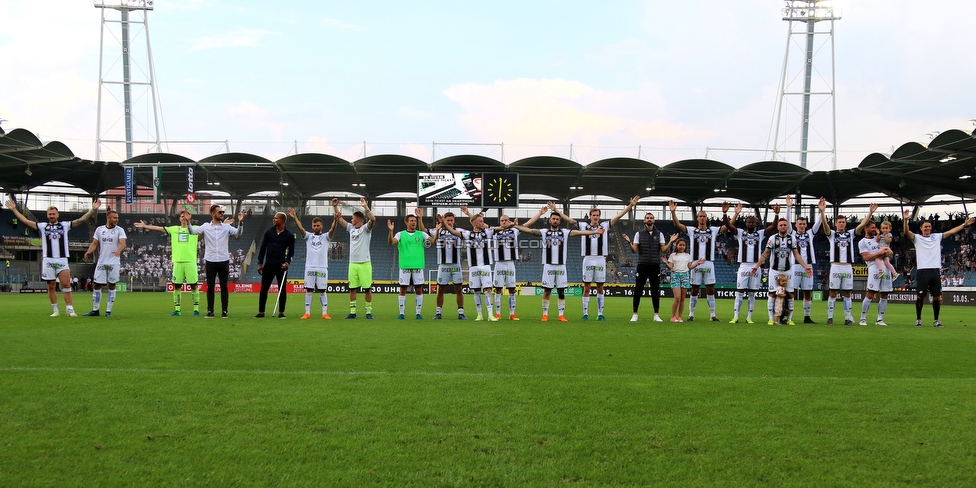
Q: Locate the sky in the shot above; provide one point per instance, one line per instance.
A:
(659, 80)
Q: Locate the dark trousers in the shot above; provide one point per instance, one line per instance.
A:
(648, 273)
(214, 271)
(271, 272)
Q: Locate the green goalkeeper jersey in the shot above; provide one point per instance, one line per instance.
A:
(411, 247)
(184, 244)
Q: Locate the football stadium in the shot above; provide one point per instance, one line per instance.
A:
(234, 319)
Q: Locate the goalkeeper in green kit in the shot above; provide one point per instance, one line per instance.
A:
(184, 246)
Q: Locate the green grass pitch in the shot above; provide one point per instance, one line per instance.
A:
(145, 399)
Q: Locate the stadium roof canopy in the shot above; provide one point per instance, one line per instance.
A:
(912, 174)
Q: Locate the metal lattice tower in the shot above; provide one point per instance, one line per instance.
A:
(806, 118)
(128, 79)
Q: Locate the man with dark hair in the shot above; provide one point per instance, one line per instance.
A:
(750, 242)
(109, 239)
(650, 247)
(928, 254)
(316, 262)
(216, 238)
(277, 249)
(184, 256)
(360, 266)
(54, 249)
(803, 238)
(595, 248)
(410, 258)
(702, 239)
(555, 251)
(449, 244)
(879, 281)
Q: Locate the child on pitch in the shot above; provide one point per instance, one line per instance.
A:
(680, 264)
(884, 238)
(780, 310)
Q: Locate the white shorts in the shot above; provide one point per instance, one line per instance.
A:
(316, 278)
(504, 274)
(841, 277)
(479, 277)
(51, 267)
(106, 274)
(594, 269)
(704, 274)
(449, 273)
(411, 277)
(554, 276)
(772, 280)
(879, 281)
(746, 280)
(801, 281)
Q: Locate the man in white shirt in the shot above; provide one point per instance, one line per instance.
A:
(928, 254)
(216, 235)
(879, 280)
(360, 266)
(54, 249)
(109, 239)
(316, 261)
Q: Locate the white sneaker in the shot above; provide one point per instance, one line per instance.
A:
(56, 313)
(863, 322)
(72, 314)
(634, 318)
(881, 323)
(478, 318)
(657, 318)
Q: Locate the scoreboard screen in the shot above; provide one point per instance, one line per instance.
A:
(477, 190)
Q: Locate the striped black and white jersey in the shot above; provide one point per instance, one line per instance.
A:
(780, 248)
(506, 245)
(703, 242)
(841, 246)
(54, 239)
(750, 245)
(448, 246)
(595, 244)
(555, 246)
(479, 247)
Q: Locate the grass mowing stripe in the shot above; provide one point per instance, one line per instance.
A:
(473, 375)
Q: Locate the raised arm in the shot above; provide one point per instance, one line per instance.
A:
(908, 233)
(822, 205)
(420, 219)
(338, 214)
(143, 225)
(729, 224)
(552, 206)
(866, 219)
(527, 230)
(298, 223)
(240, 224)
(84, 218)
(674, 217)
(725, 210)
(370, 218)
(631, 204)
(535, 218)
(332, 230)
(28, 222)
(389, 239)
(968, 222)
(448, 228)
(633, 247)
(772, 225)
(577, 232)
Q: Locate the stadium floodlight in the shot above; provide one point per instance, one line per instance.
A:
(126, 4)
